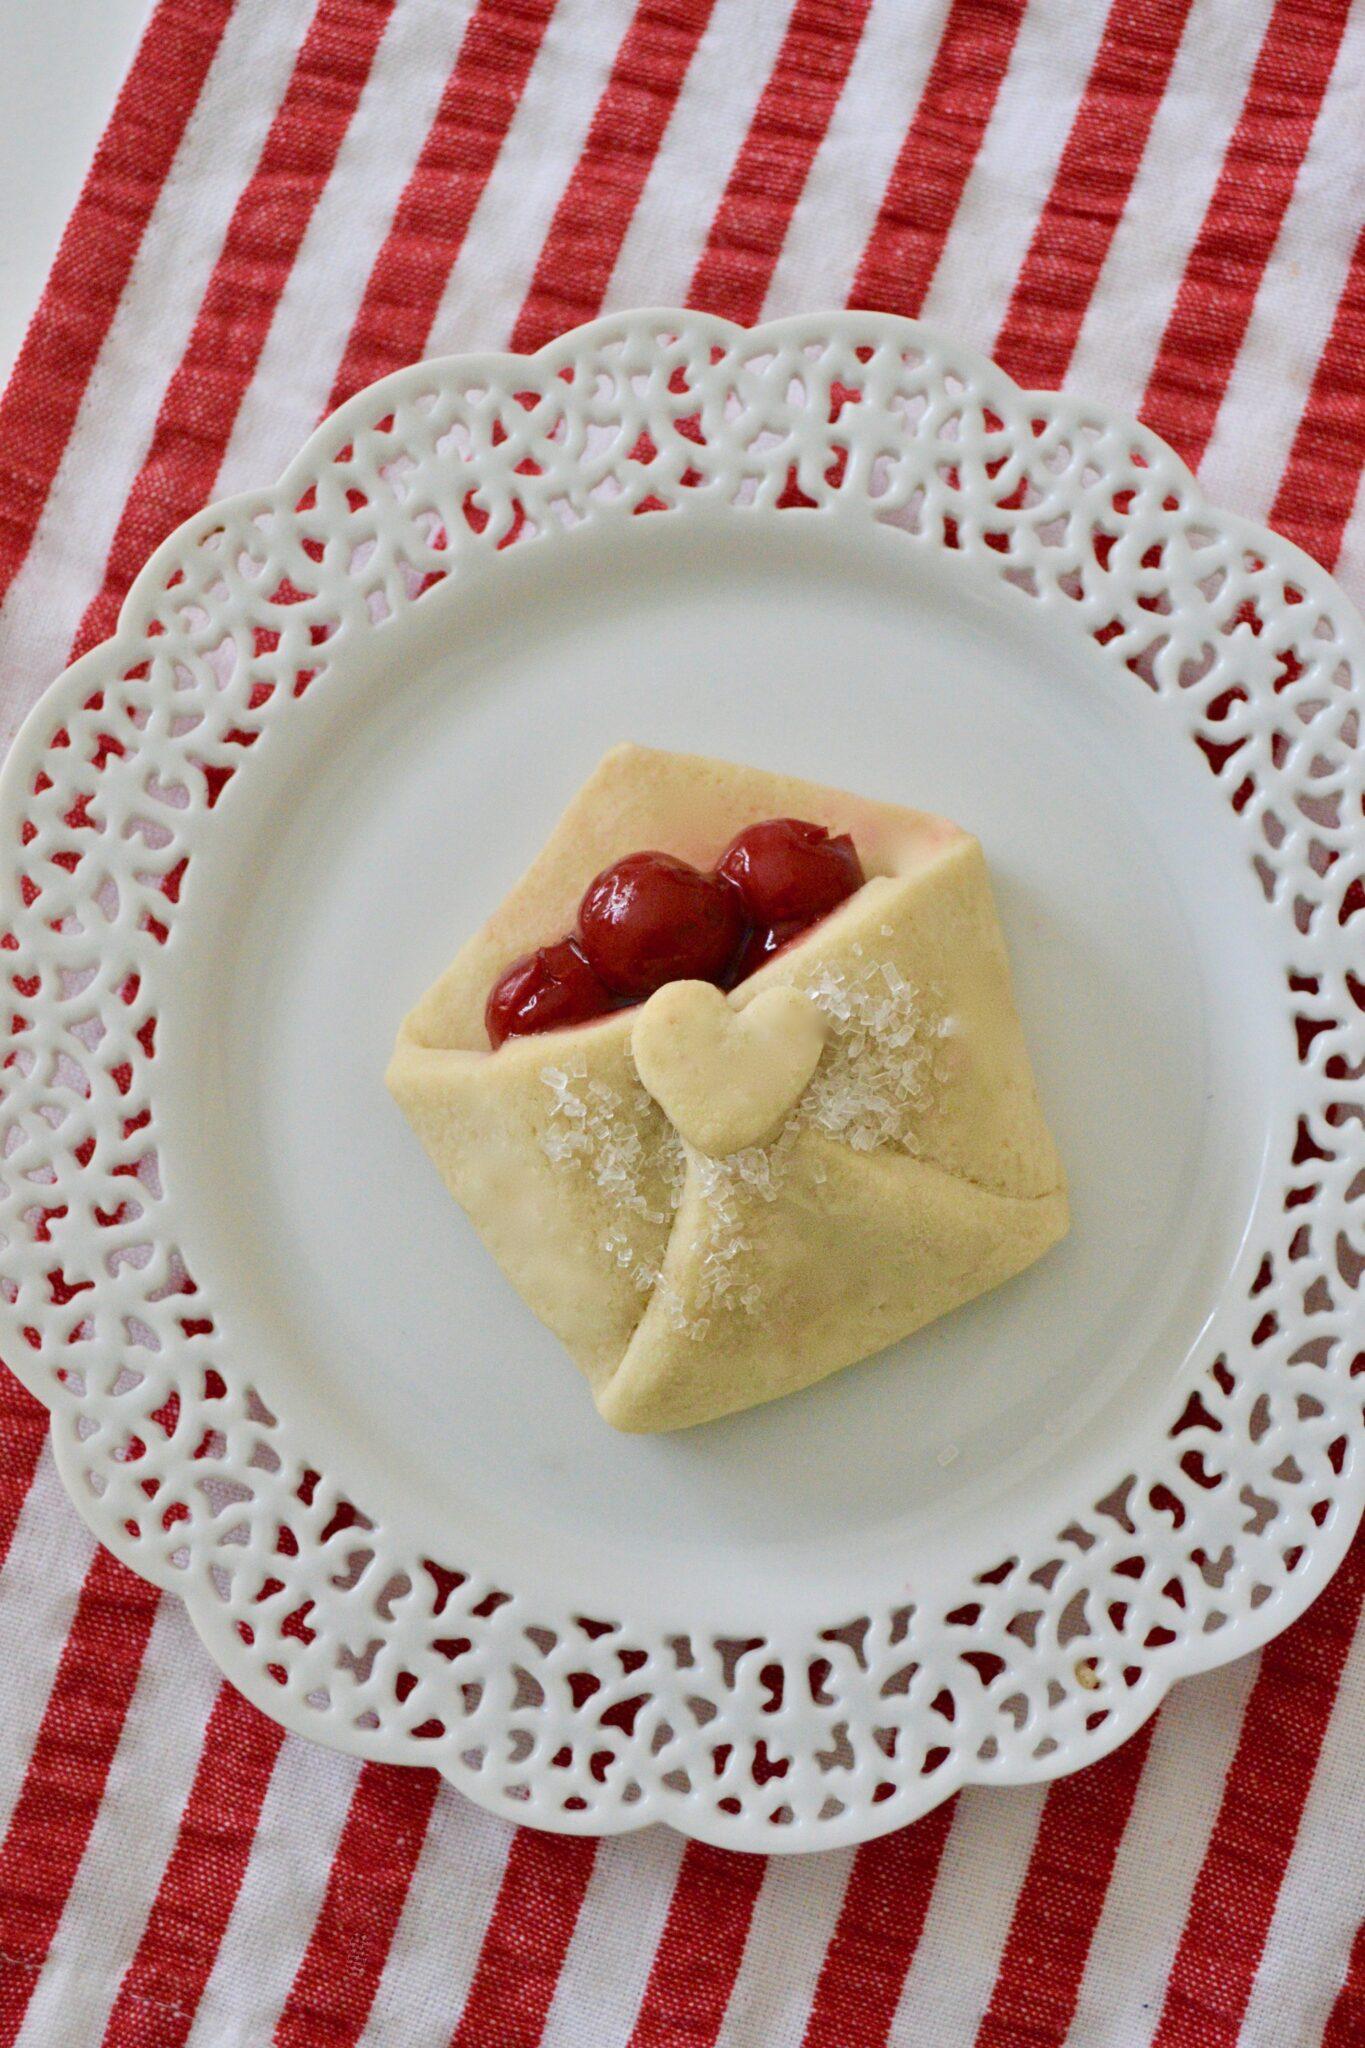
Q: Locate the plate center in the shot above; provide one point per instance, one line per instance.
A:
(390, 815)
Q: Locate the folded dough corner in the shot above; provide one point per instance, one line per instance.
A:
(914, 1172)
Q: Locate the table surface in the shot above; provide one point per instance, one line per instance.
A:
(61, 64)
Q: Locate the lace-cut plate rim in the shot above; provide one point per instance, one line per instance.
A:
(337, 720)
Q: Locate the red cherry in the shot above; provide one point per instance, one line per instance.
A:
(787, 869)
(649, 919)
(543, 990)
(763, 941)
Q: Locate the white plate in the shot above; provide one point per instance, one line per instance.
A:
(376, 820)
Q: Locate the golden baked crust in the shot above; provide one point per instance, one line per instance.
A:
(914, 1172)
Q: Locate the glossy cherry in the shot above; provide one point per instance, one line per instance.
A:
(542, 991)
(649, 919)
(763, 941)
(788, 870)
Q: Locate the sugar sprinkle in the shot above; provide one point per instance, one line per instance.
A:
(883, 1056)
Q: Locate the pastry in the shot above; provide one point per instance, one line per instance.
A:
(752, 1104)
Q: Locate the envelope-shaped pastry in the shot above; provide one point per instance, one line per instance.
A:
(715, 1198)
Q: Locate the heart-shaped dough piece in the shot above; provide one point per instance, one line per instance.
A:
(726, 1078)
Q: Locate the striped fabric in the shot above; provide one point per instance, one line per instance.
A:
(1159, 201)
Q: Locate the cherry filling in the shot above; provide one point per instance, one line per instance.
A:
(543, 990)
(651, 918)
(763, 941)
(790, 872)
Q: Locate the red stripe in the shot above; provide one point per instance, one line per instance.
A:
(876, 1935)
(23, 1430)
(701, 1948)
(66, 1774)
(936, 157)
(386, 1824)
(428, 229)
(1346, 2022)
(94, 259)
(595, 210)
(1060, 1902)
(1225, 267)
(164, 1983)
(1318, 489)
(373, 1866)
(1090, 190)
(1258, 1821)
(528, 1936)
(770, 172)
(263, 237)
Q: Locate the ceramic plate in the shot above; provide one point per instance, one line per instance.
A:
(338, 719)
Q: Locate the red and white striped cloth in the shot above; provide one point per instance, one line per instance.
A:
(1160, 201)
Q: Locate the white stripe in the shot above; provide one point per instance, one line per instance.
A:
(614, 1944)
(149, 331)
(793, 1922)
(1163, 1845)
(1322, 1901)
(545, 140)
(1137, 285)
(133, 1835)
(1292, 316)
(354, 213)
(50, 1553)
(1014, 169)
(948, 1986)
(301, 1820)
(435, 1949)
(719, 97)
(848, 179)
